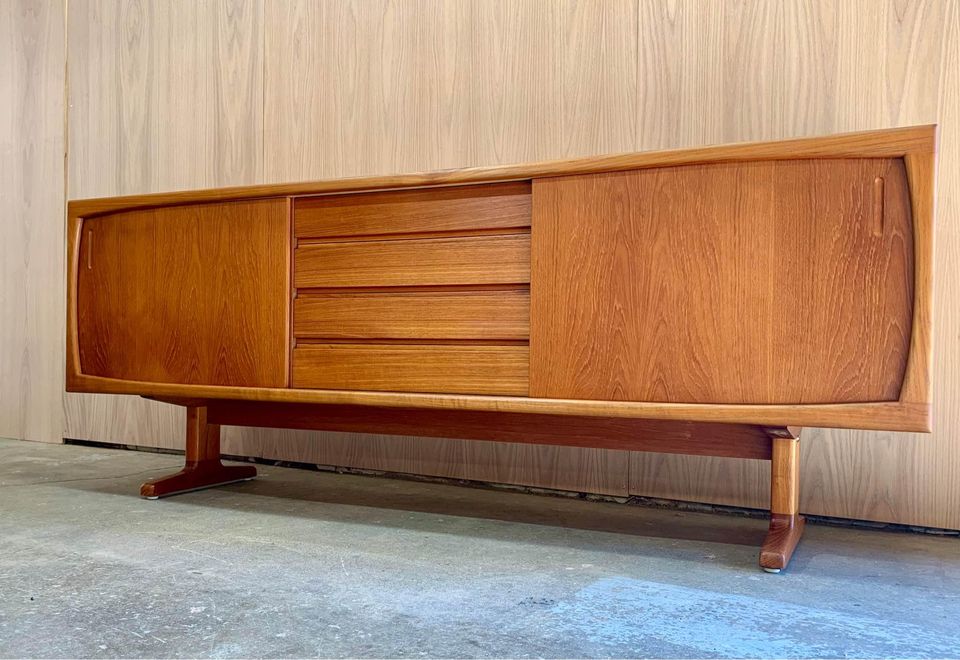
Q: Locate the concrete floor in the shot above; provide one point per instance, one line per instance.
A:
(300, 563)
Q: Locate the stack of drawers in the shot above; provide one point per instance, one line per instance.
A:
(423, 290)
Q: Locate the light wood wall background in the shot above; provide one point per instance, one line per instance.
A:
(175, 94)
(31, 220)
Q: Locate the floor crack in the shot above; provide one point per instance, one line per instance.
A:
(109, 476)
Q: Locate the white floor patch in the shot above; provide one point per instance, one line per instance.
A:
(623, 612)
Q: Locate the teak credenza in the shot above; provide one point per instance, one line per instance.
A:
(703, 301)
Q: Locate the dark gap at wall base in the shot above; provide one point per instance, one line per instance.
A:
(633, 500)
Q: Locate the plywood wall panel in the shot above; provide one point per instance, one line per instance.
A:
(679, 74)
(209, 82)
(598, 84)
(31, 219)
(374, 87)
(169, 95)
(512, 62)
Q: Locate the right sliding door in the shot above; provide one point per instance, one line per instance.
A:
(784, 282)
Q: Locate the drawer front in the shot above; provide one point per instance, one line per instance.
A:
(501, 259)
(498, 314)
(460, 208)
(464, 369)
(413, 290)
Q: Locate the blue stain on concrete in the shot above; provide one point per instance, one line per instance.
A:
(623, 613)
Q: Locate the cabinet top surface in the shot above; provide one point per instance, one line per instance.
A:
(884, 143)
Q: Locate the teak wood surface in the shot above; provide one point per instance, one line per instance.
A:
(501, 259)
(698, 438)
(759, 394)
(498, 206)
(476, 369)
(190, 294)
(771, 282)
(389, 314)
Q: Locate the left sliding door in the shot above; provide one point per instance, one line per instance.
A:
(193, 294)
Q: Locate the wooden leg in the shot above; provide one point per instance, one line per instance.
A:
(203, 468)
(786, 524)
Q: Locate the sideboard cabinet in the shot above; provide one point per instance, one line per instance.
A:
(703, 301)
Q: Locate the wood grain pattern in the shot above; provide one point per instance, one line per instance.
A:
(412, 368)
(446, 261)
(455, 208)
(31, 219)
(785, 477)
(473, 83)
(599, 101)
(485, 314)
(192, 294)
(678, 285)
(735, 440)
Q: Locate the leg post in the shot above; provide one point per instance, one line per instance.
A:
(203, 468)
(786, 523)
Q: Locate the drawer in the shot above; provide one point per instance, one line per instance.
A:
(496, 314)
(464, 369)
(460, 208)
(502, 259)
